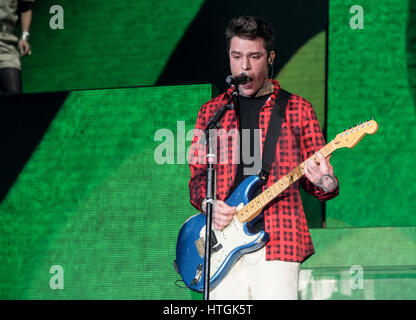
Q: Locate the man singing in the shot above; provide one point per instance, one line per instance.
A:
(273, 271)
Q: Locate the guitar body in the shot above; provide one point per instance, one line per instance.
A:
(227, 246)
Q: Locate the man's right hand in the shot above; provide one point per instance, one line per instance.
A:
(222, 214)
(24, 48)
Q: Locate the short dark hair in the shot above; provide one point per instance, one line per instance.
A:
(247, 27)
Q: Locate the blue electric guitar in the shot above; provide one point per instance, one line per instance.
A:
(235, 239)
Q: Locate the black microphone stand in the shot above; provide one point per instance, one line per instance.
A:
(211, 183)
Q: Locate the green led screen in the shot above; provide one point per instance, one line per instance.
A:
(107, 44)
(103, 44)
(372, 73)
(93, 200)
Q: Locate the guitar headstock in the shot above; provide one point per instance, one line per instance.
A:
(350, 137)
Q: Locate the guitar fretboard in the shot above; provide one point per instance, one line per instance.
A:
(256, 205)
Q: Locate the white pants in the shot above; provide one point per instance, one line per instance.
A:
(254, 278)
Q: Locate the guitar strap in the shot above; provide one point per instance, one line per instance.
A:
(269, 150)
(273, 133)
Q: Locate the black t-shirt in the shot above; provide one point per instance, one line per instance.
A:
(248, 112)
(248, 109)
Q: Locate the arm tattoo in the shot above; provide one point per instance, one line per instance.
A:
(328, 183)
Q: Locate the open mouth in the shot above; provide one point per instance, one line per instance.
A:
(248, 85)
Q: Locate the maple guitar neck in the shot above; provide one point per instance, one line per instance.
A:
(255, 206)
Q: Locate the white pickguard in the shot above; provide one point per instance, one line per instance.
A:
(231, 237)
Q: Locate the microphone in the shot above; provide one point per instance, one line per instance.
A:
(243, 78)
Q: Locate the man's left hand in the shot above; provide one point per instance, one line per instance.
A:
(322, 174)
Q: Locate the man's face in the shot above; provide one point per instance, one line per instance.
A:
(250, 57)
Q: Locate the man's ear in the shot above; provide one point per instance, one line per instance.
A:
(270, 63)
(272, 55)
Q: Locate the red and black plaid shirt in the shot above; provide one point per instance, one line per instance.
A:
(300, 137)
